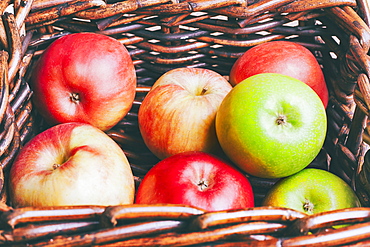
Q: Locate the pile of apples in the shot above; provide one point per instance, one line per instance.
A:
(210, 132)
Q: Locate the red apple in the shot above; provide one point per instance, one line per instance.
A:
(283, 57)
(197, 179)
(84, 77)
(71, 164)
(178, 114)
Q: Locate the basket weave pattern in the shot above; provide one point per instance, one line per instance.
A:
(161, 35)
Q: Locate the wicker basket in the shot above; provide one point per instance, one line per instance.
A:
(162, 35)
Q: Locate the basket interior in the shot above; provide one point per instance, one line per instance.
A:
(163, 35)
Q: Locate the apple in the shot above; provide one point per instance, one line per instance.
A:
(196, 179)
(271, 125)
(283, 57)
(312, 191)
(71, 164)
(84, 77)
(178, 113)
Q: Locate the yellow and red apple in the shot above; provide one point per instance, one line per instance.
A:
(71, 164)
(178, 114)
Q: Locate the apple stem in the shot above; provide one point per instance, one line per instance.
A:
(204, 90)
(202, 185)
(308, 206)
(281, 120)
(56, 166)
(75, 97)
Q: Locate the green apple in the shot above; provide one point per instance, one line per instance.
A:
(271, 125)
(312, 191)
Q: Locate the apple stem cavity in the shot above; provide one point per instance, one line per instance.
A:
(75, 97)
(202, 185)
(308, 206)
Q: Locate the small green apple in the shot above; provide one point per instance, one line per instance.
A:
(271, 125)
(312, 191)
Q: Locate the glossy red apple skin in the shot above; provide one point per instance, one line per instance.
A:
(197, 179)
(283, 57)
(71, 164)
(178, 114)
(84, 77)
